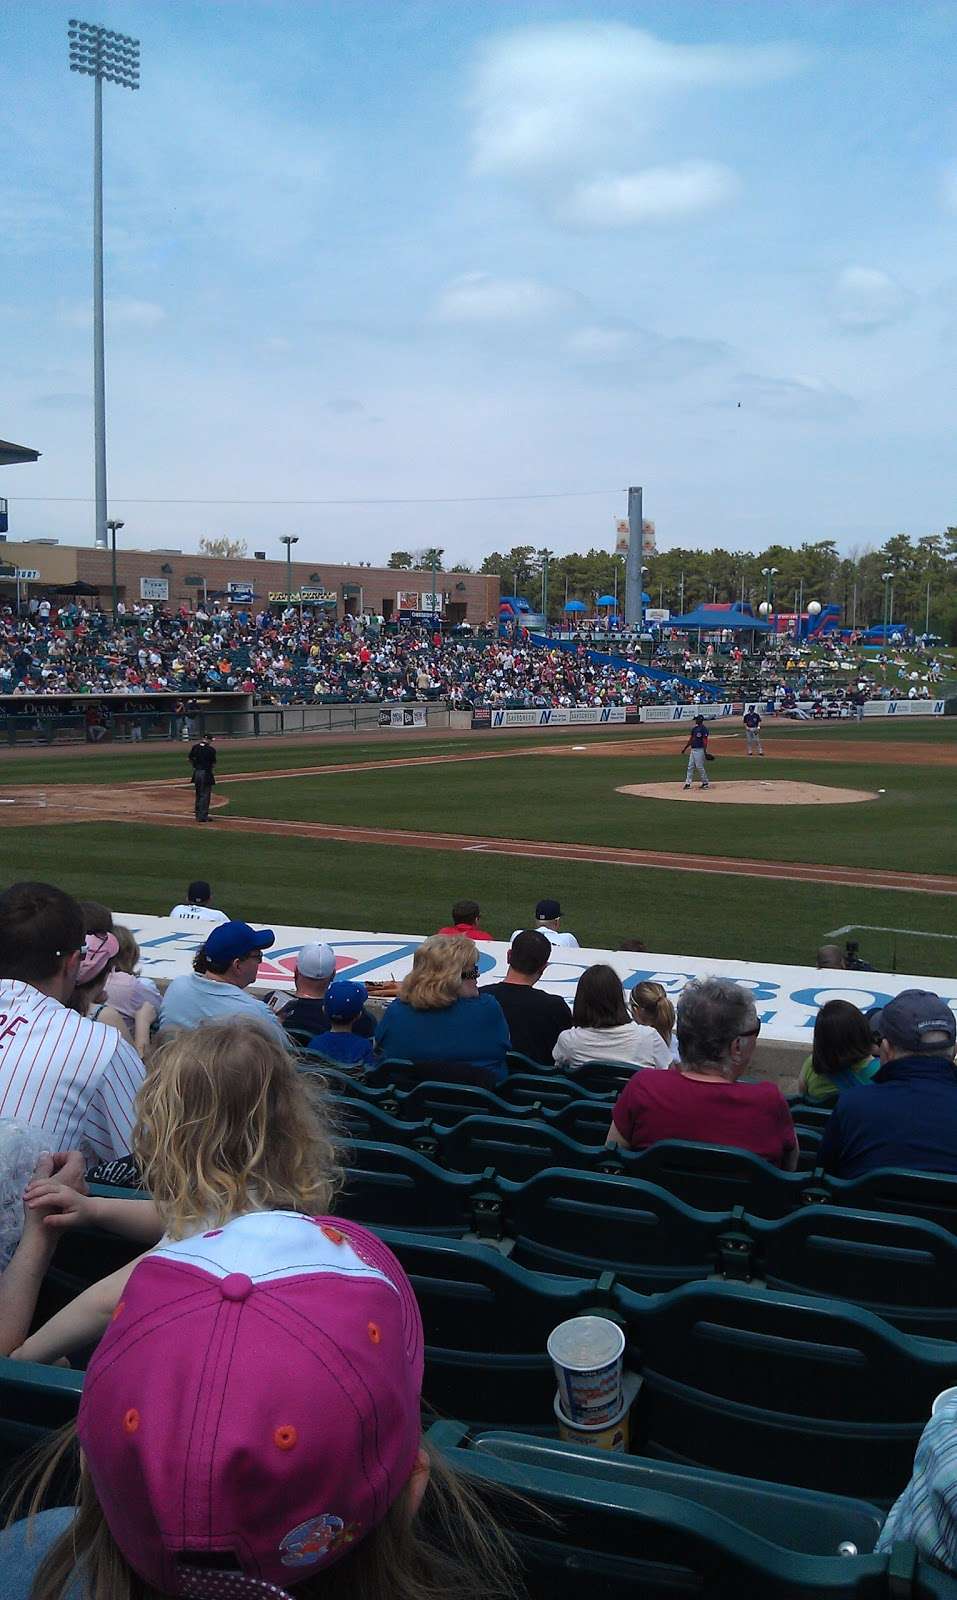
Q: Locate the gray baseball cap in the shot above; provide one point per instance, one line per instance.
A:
(906, 1020)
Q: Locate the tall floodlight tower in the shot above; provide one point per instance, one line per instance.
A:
(101, 53)
(634, 610)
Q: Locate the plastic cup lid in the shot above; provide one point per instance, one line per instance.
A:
(585, 1342)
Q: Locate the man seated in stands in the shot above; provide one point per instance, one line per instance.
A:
(223, 969)
(548, 921)
(535, 1018)
(305, 1011)
(908, 1117)
(196, 907)
(465, 920)
(67, 1073)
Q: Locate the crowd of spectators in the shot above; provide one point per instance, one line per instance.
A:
(295, 658)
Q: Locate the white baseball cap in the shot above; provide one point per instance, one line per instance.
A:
(316, 961)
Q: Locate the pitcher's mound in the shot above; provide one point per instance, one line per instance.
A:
(745, 793)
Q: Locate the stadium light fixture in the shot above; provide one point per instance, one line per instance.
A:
(112, 525)
(289, 539)
(770, 573)
(101, 53)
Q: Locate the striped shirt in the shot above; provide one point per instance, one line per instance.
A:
(66, 1073)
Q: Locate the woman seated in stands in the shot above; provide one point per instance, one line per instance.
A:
(700, 1099)
(441, 1022)
(841, 1056)
(602, 1030)
(651, 1008)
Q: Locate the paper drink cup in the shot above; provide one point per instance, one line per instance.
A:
(587, 1353)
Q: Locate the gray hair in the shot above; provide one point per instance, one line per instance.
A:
(711, 1013)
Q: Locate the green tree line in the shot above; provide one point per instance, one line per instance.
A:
(681, 579)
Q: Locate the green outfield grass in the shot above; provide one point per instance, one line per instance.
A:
(574, 799)
(328, 885)
(566, 798)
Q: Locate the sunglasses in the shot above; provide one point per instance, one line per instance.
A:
(749, 1033)
(469, 973)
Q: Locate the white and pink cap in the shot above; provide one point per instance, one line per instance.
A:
(254, 1407)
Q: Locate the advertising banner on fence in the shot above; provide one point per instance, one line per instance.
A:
(710, 712)
(904, 708)
(787, 998)
(552, 716)
(402, 717)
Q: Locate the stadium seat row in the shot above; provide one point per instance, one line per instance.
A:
(775, 1386)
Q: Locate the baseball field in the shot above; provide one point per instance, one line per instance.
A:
(841, 831)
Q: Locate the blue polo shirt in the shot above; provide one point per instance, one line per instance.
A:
(907, 1118)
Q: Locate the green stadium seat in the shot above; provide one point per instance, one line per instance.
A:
(779, 1386)
(930, 1195)
(806, 1115)
(606, 1078)
(486, 1325)
(587, 1121)
(587, 1223)
(803, 1520)
(362, 1119)
(517, 1148)
(554, 1091)
(902, 1268)
(389, 1186)
(448, 1103)
(612, 1529)
(34, 1400)
(718, 1178)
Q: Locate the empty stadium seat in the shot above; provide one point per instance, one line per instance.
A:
(553, 1090)
(486, 1325)
(781, 1386)
(718, 1178)
(606, 1078)
(901, 1268)
(387, 1185)
(792, 1518)
(356, 1118)
(614, 1529)
(587, 1223)
(517, 1148)
(34, 1400)
(930, 1195)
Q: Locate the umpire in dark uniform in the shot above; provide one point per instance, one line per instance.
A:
(202, 759)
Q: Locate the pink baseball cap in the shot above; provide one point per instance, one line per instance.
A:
(253, 1408)
(98, 950)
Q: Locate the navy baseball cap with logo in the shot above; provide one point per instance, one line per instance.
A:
(233, 939)
(548, 910)
(908, 1019)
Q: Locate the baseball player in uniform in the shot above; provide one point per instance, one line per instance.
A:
(697, 745)
(752, 730)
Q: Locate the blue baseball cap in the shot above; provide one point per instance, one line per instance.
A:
(913, 1014)
(344, 1000)
(233, 939)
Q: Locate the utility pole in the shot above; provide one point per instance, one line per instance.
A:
(546, 556)
(633, 563)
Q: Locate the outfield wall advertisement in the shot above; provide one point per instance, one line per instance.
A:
(552, 716)
(787, 998)
(403, 717)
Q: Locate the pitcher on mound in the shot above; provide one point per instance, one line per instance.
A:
(697, 747)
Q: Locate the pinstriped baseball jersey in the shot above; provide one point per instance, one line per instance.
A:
(66, 1073)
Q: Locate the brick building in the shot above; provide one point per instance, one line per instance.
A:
(174, 579)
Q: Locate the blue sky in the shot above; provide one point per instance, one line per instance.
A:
(434, 254)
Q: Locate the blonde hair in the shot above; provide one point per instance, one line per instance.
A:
(127, 958)
(437, 966)
(226, 1124)
(652, 1000)
(452, 1550)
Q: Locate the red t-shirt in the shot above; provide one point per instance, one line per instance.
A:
(667, 1105)
(468, 928)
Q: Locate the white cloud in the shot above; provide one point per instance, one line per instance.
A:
(565, 97)
(634, 351)
(948, 186)
(865, 298)
(477, 297)
(656, 194)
